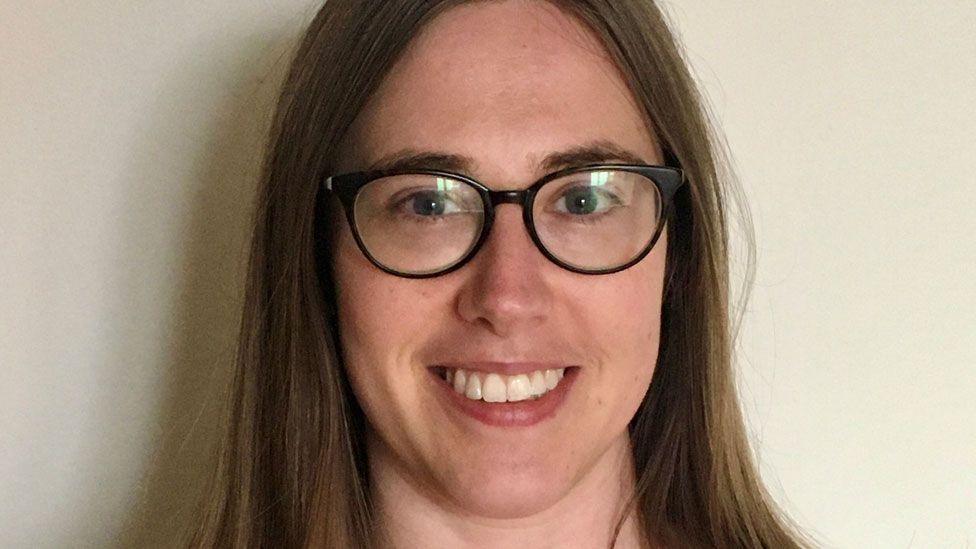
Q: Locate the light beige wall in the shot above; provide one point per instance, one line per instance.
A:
(128, 141)
(130, 135)
(854, 130)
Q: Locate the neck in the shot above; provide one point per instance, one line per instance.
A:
(585, 517)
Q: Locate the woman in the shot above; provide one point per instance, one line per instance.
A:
(427, 361)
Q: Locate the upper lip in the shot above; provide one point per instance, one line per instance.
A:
(499, 367)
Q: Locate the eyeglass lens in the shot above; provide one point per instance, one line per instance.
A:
(591, 220)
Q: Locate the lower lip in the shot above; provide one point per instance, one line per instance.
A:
(508, 414)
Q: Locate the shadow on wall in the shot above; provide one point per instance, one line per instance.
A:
(200, 345)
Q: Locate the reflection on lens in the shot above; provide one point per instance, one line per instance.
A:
(599, 219)
(418, 224)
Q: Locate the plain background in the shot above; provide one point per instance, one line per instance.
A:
(130, 134)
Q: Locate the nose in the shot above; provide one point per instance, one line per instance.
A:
(506, 286)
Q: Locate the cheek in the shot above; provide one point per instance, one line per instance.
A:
(360, 298)
(635, 346)
(628, 324)
(381, 320)
(365, 298)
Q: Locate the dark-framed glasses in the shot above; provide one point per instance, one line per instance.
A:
(593, 219)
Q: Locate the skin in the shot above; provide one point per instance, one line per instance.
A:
(505, 83)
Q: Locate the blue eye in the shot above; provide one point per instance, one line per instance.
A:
(585, 200)
(430, 205)
(427, 203)
(580, 201)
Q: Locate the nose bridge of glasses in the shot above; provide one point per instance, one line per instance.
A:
(508, 197)
(506, 241)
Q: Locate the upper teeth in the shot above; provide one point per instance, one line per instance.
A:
(501, 388)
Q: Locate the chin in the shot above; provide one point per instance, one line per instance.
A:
(499, 492)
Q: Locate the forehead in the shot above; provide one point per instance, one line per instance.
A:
(506, 85)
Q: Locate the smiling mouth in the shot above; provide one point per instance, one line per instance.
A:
(493, 387)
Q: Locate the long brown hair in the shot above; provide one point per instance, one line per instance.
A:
(292, 469)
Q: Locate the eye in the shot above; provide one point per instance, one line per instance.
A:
(427, 203)
(583, 200)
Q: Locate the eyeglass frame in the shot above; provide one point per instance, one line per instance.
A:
(346, 188)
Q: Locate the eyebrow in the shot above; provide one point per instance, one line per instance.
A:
(593, 152)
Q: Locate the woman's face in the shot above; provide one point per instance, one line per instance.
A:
(506, 84)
